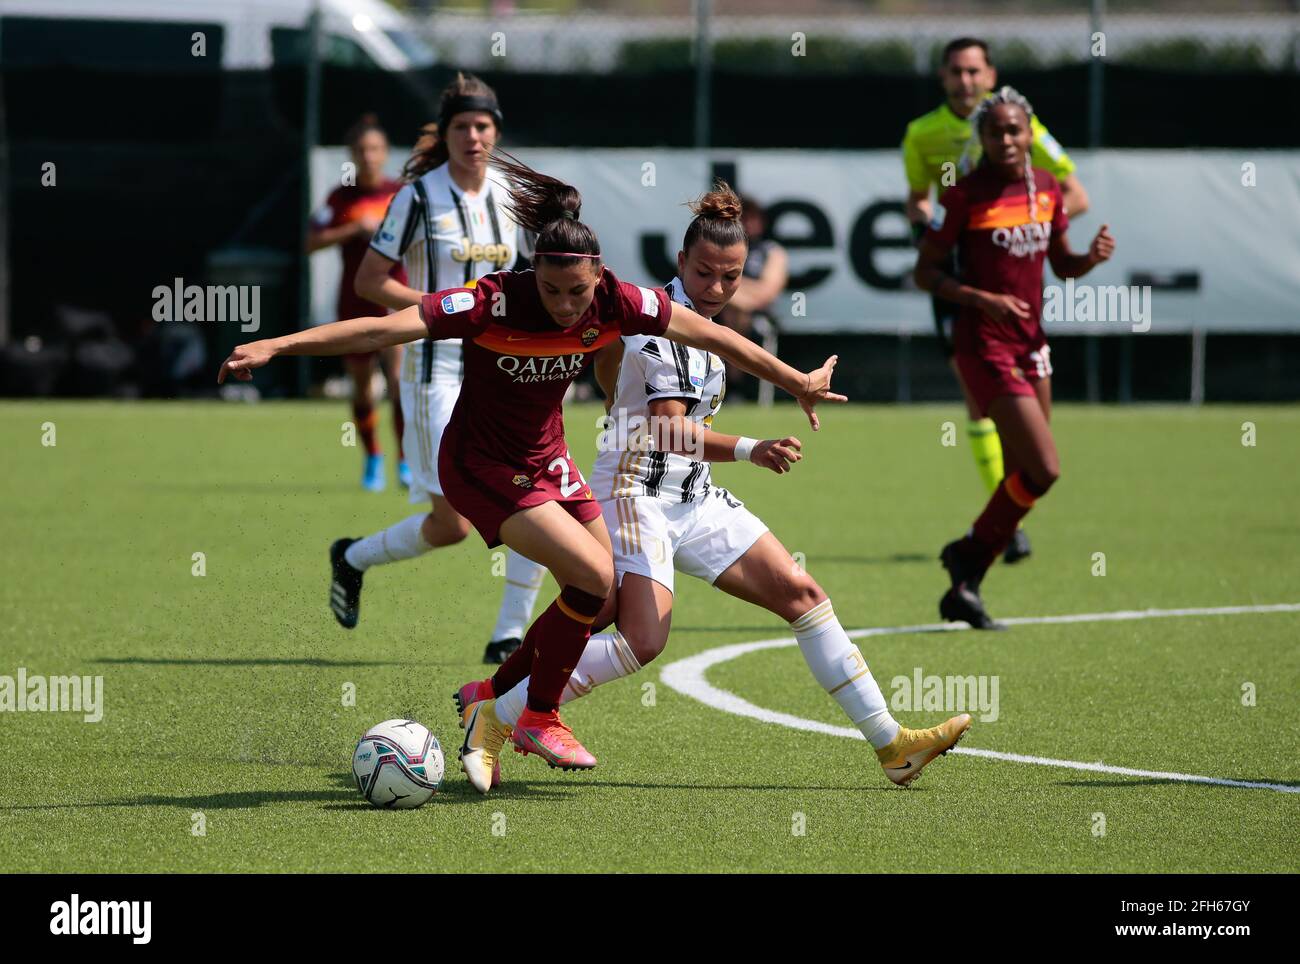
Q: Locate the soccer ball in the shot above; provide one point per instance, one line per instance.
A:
(398, 765)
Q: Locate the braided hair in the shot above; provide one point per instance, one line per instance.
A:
(979, 117)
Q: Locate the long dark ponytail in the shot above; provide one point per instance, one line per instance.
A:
(550, 208)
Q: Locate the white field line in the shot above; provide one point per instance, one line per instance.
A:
(687, 676)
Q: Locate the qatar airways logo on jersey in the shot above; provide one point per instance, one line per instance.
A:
(1024, 239)
(543, 368)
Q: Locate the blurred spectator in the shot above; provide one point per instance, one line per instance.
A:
(349, 218)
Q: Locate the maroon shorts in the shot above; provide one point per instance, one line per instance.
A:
(488, 493)
(1003, 370)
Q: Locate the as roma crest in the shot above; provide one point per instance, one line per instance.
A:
(589, 337)
(521, 481)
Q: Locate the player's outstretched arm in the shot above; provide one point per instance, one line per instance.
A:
(340, 338)
(809, 388)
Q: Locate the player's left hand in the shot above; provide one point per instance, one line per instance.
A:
(777, 454)
(244, 358)
(1103, 245)
(819, 390)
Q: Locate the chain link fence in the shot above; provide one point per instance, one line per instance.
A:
(761, 37)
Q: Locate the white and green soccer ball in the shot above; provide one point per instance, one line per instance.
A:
(398, 765)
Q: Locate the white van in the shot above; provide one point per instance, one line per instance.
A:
(250, 34)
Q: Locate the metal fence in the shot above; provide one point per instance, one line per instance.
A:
(592, 37)
(760, 37)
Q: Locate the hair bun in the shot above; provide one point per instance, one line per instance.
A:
(719, 204)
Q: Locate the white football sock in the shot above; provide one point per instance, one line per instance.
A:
(523, 582)
(839, 667)
(509, 707)
(405, 540)
(607, 657)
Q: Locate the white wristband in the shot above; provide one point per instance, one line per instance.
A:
(744, 446)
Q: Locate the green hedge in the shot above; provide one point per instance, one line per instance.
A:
(830, 55)
(822, 54)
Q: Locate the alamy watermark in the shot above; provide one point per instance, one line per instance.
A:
(621, 432)
(33, 693)
(1126, 304)
(182, 302)
(132, 918)
(917, 693)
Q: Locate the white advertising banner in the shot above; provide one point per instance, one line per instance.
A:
(1205, 239)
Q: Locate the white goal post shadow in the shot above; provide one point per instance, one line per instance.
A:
(687, 676)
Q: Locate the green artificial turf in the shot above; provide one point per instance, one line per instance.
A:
(223, 692)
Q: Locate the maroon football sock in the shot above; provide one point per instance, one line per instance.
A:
(996, 525)
(520, 663)
(366, 421)
(567, 625)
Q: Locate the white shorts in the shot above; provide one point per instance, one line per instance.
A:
(652, 537)
(426, 407)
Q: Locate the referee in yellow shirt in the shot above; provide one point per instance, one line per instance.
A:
(938, 148)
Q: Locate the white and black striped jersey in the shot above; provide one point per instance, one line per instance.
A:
(446, 239)
(656, 368)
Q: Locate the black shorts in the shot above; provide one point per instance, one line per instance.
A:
(945, 312)
(945, 315)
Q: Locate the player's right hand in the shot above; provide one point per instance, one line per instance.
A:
(1004, 307)
(819, 390)
(777, 454)
(1103, 245)
(244, 358)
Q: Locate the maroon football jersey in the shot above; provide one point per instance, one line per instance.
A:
(999, 249)
(518, 362)
(344, 206)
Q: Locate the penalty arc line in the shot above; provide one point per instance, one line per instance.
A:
(687, 676)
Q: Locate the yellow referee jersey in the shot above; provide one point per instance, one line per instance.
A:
(941, 137)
